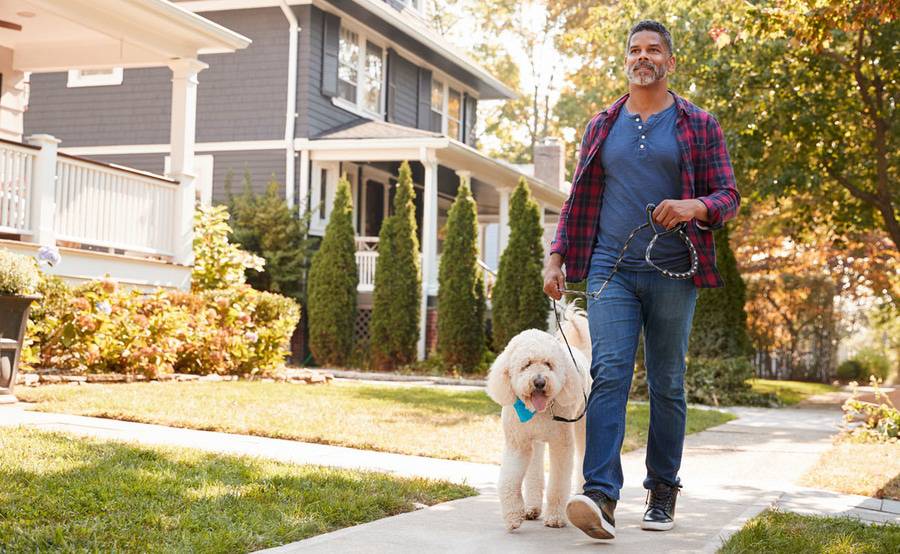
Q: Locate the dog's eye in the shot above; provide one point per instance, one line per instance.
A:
(549, 366)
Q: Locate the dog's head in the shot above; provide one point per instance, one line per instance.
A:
(535, 367)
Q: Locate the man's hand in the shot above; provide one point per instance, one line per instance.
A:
(670, 213)
(554, 278)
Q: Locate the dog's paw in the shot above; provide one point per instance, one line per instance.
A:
(533, 513)
(514, 520)
(555, 520)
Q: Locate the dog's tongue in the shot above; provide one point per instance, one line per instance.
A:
(539, 400)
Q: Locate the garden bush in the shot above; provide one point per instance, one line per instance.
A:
(877, 421)
(867, 362)
(723, 381)
(18, 273)
(851, 370)
(99, 327)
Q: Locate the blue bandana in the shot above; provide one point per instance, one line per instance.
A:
(524, 413)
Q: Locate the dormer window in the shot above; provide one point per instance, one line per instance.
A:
(437, 105)
(348, 65)
(374, 75)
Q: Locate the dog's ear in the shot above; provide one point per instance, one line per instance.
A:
(499, 386)
(575, 387)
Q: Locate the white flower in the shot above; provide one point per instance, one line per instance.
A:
(251, 336)
(104, 307)
(49, 255)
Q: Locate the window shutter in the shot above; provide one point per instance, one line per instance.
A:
(470, 108)
(330, 45)
(391, 85)
(424, 113)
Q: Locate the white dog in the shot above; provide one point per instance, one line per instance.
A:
(538, 369)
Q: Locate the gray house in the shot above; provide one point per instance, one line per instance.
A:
(327, 87)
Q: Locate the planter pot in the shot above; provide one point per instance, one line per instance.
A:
(13, 320)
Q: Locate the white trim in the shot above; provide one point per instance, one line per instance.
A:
(228, 146)
(110, 77)
(317, 223)
(222, 5)
(203, 168)
(344, 104)
(290, 115)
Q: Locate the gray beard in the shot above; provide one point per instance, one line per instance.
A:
(656, 73)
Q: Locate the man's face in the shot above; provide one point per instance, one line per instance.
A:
(648, 59)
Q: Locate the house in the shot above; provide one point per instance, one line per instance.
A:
(134, 225)
(327, 87)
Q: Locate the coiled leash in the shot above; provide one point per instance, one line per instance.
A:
(679, 230)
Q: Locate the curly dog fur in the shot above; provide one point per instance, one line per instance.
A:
(532, 357)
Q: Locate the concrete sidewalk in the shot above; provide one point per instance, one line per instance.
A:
(730, 473)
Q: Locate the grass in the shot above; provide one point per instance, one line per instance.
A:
(791, 392)
(858, 468)
(778, 532)
(59, 493)
(440, 423)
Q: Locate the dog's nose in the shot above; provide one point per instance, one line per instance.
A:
(539, 382)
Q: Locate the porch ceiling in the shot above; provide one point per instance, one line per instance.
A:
(57, 35)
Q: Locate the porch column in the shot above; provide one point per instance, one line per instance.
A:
(181, 138)
(43, 190)
(303, 193)
(429, 243)
(503, 230)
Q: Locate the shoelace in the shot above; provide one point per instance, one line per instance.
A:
(662, 498)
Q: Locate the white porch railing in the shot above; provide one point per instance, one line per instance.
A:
(366, 259)
(113, 207)
(48, 197)
(16, 172)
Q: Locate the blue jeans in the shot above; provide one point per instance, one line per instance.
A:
(664, 308)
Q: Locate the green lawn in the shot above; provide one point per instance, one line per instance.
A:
(776, 532)
(791, 392)
(60, 493)
(440, 423)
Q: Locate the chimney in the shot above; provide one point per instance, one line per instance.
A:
(550, 162)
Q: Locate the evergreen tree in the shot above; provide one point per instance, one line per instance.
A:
(461, 287)
(333, 280)
(394, 330)
(518, 300)
(266, 226)
(720, 321)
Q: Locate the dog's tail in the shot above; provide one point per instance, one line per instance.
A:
(574, 324)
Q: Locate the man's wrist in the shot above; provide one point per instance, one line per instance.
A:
(556, 259)
(701, 213)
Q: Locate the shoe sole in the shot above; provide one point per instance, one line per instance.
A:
(657, 526)
(585, 515)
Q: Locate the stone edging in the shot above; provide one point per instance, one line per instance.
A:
(54, 377)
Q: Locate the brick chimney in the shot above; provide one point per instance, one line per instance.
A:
(550, 162)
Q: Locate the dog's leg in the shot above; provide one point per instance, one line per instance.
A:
(516, 456)
(560, 483)
(534, 482)
(580, 430)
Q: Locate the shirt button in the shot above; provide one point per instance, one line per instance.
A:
(640, 126)
(642, 147)
(637, 118)
(643, 136)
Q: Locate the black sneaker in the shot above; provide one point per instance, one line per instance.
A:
(592, 512)
(660, 514)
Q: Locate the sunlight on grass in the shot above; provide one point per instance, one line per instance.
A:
(791, 392)
(440, 423)
(856, 468)
(776, 533)
(116, 497)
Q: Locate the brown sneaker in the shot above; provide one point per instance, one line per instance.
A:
(592, 512)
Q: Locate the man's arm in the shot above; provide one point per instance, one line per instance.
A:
(723, 200)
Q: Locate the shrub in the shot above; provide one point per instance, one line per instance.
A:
(98, 328)
(44, 318)
(333, 280)
(851, 370)
(877, 421)
(518, 300)
(874, 362)
(461, 302)
(18, 274)
(218, 264)
(717, 381)
(266, 226)
(394, 329)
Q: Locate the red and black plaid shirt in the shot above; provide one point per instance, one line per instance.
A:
(706, 175)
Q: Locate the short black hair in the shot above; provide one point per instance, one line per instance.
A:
(656, 27)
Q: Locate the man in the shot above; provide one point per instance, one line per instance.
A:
(649, 146)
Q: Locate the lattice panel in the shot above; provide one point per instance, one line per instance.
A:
(361, 328)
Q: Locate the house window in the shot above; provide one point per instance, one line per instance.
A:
(324, 183)
(94, 77)
(374, 76)
(437, 105)
(454, 114)
(348, 65)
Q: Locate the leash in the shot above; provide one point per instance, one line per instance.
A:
(679, 230)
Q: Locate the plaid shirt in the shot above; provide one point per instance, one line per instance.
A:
(706, 175)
